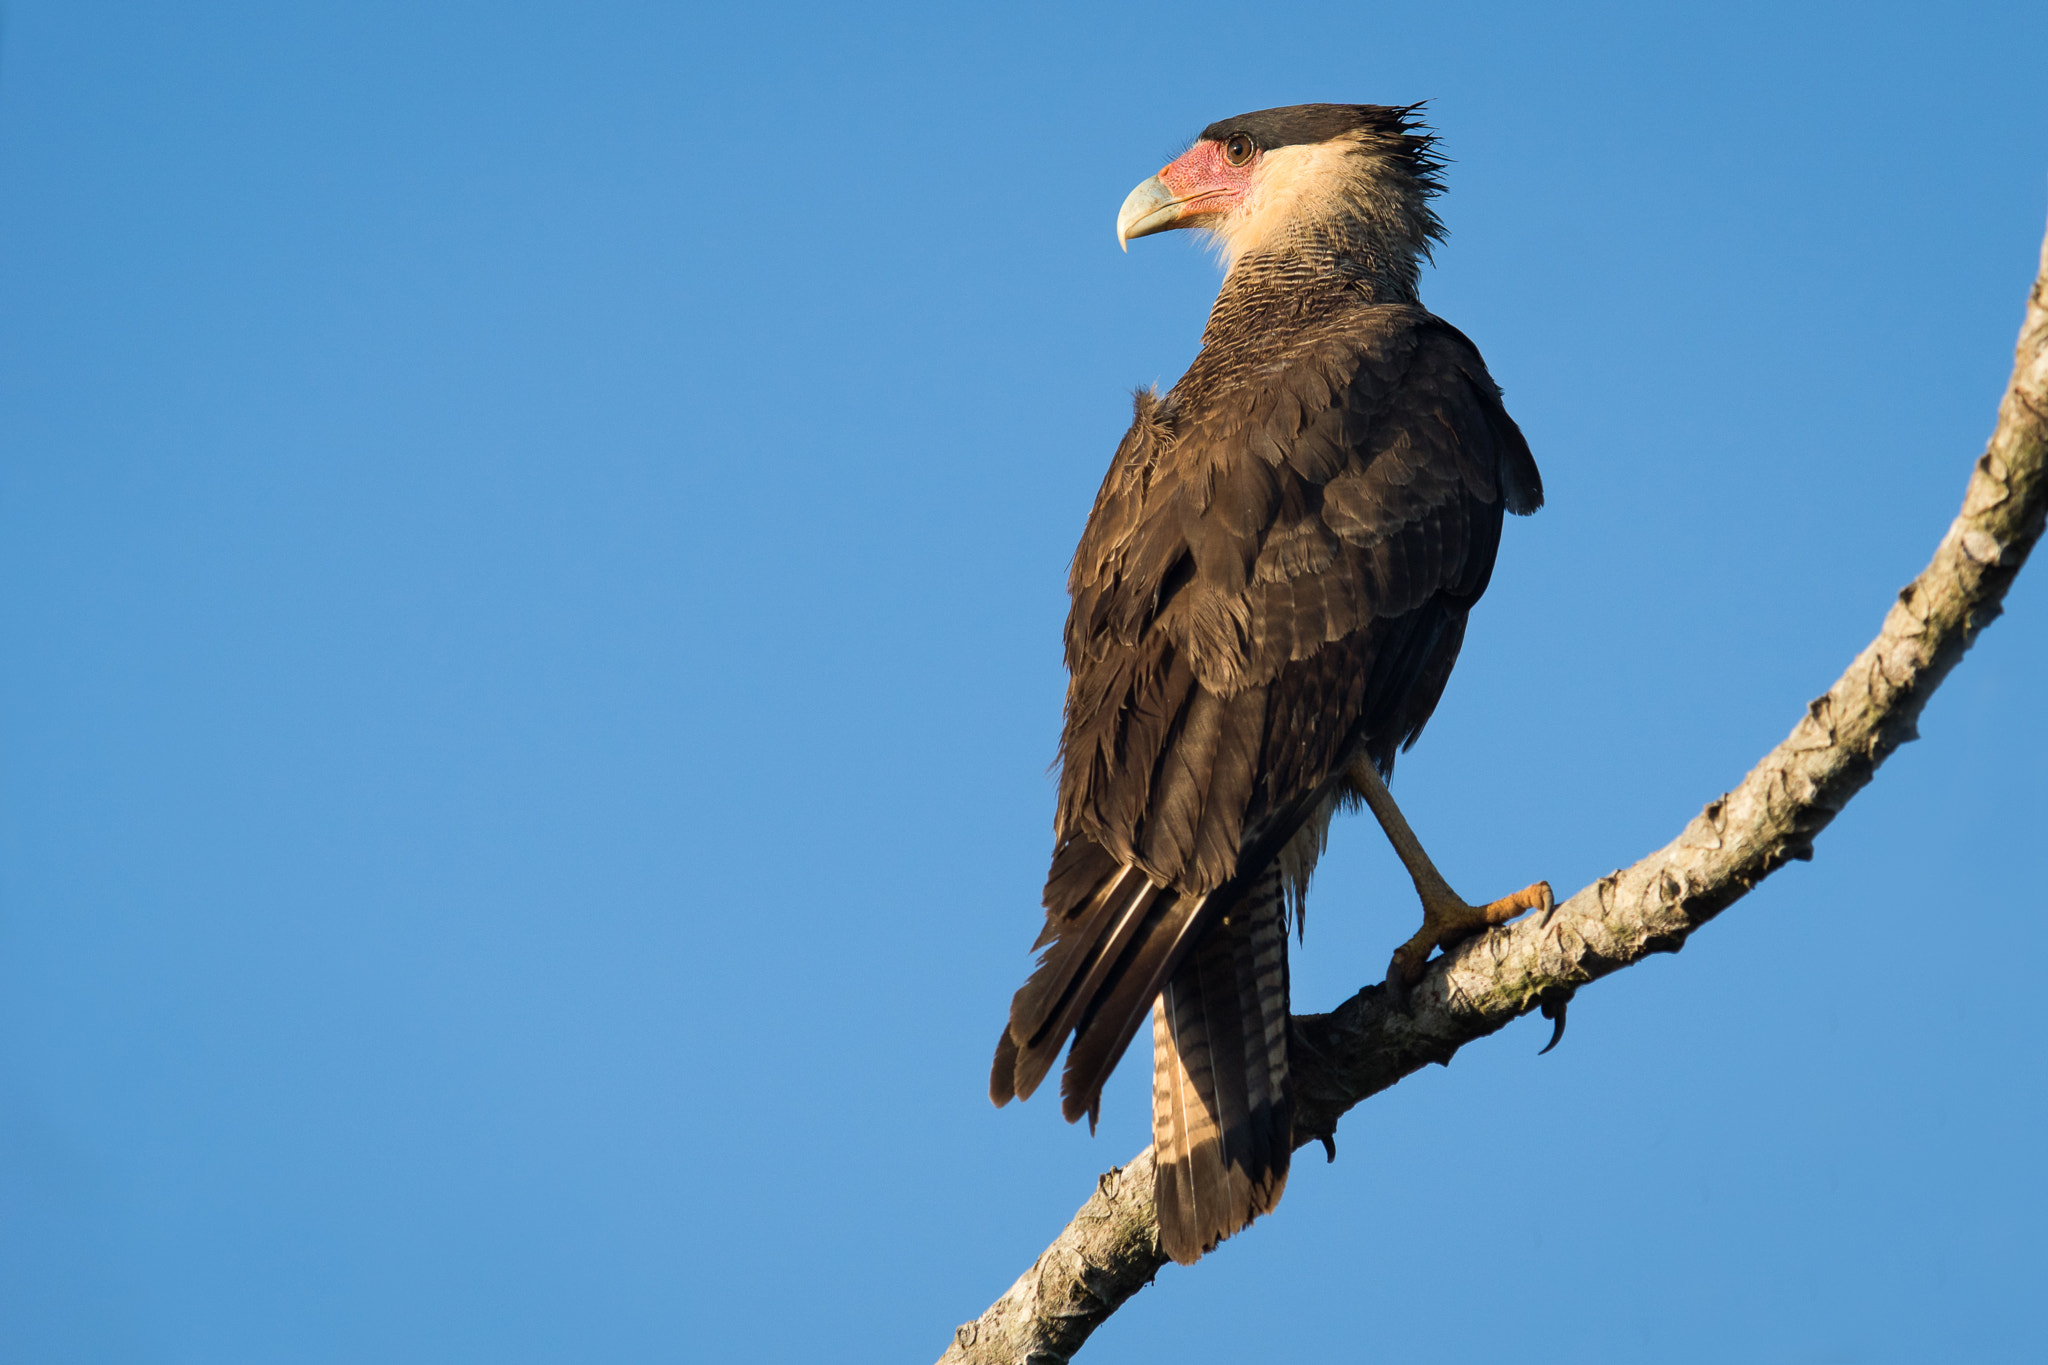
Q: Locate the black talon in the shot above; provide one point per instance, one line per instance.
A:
(1554, 1009)
(1329, 1148)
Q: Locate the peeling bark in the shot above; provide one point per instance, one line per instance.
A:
(1111, 1248)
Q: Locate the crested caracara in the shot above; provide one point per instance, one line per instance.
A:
(1267, 602)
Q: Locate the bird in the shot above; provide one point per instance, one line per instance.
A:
(1265, 605)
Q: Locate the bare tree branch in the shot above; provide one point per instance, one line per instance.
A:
(1111, 1248)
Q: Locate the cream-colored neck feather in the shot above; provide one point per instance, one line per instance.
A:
(1344, 202)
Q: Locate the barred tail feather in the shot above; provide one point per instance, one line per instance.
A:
(1222, 1117)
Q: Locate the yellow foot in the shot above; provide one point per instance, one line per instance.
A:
(1446, 921)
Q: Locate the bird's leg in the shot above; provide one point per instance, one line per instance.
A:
(1446, 918)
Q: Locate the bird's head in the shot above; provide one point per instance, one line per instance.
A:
(1311, 178)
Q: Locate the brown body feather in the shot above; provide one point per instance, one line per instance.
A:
(1275, 579)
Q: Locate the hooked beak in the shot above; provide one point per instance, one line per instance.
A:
(1148, 209)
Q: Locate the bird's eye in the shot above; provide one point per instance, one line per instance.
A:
(1238, 149)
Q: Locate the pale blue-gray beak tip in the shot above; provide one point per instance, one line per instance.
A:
(1147, 209)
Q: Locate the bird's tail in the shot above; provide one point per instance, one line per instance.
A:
(1222, 1112)
(1112, 940)
(1212, 972)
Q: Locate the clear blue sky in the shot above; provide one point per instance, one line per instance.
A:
(531, 559)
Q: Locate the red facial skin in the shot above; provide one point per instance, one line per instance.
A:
(1206, 183)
